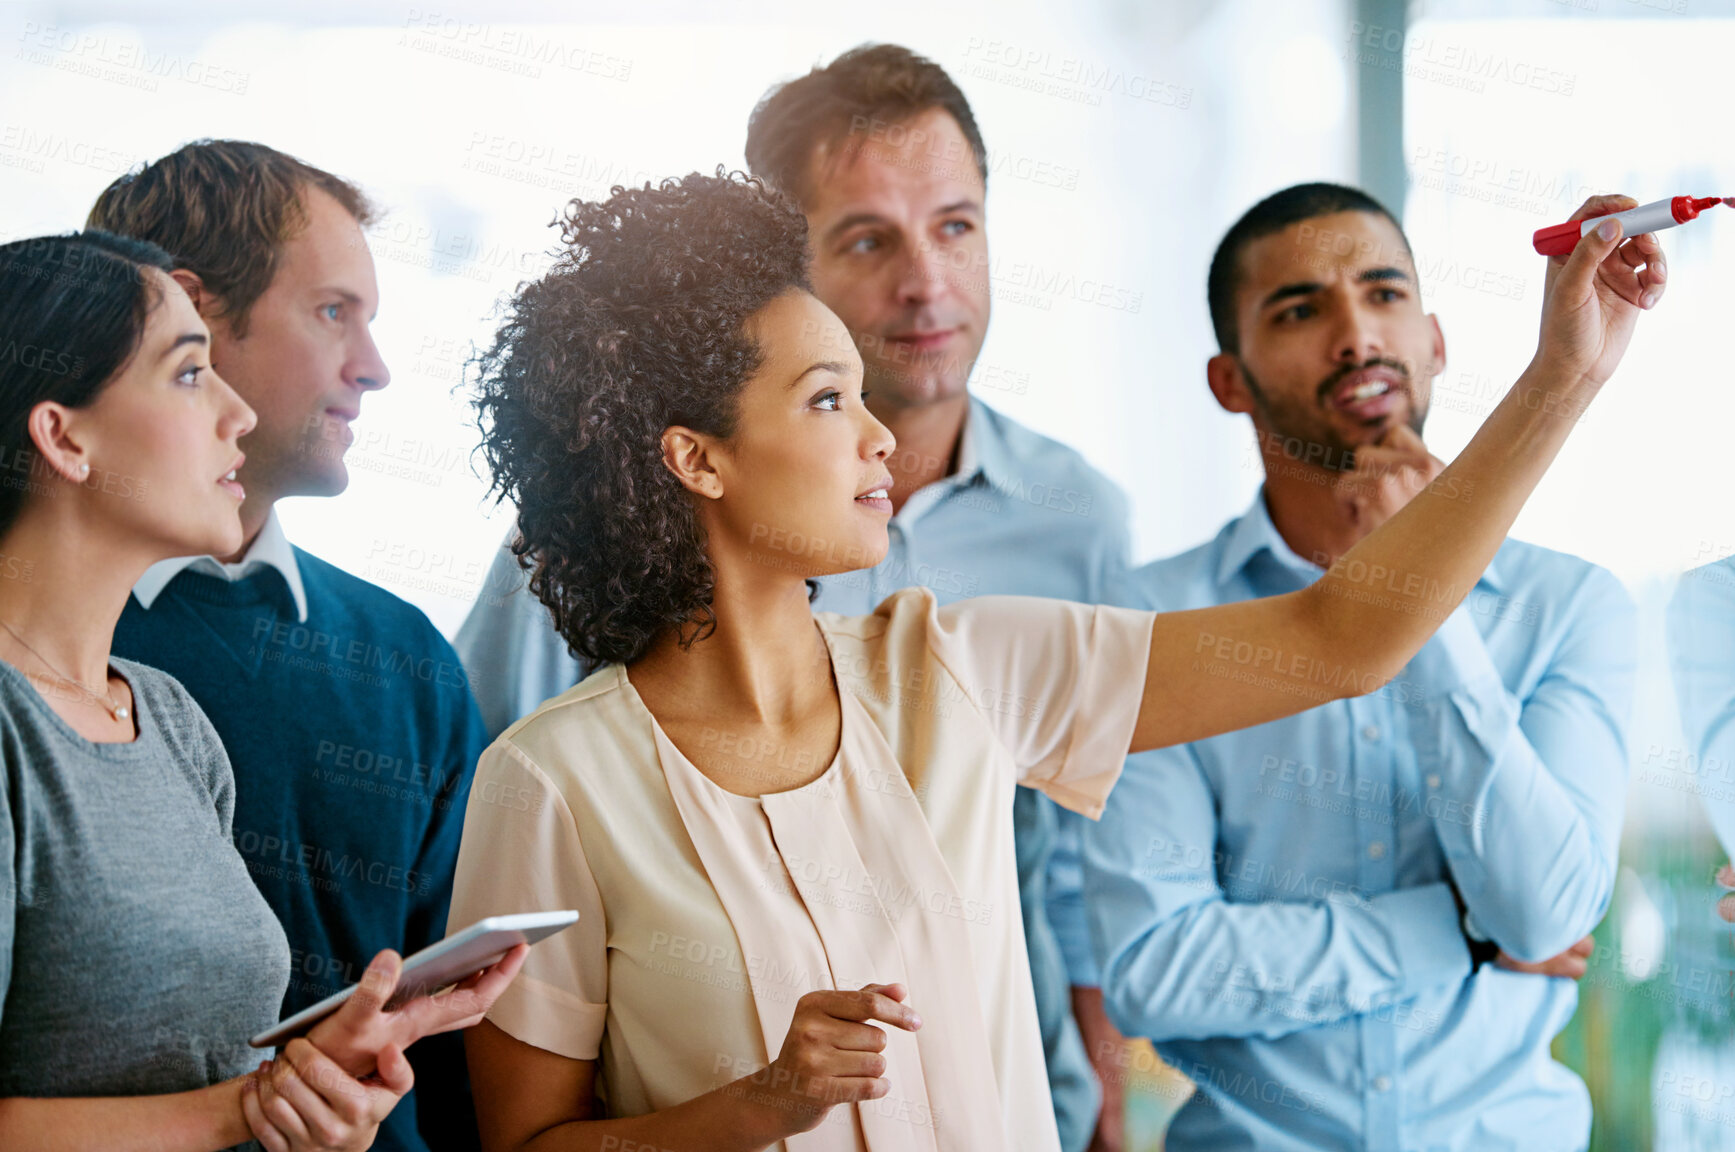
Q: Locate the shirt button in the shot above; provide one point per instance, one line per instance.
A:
(1382, 1083)
(1377, 850)
(1433, 779)
(1371, 732)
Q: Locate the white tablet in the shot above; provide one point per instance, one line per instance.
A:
(437, 966)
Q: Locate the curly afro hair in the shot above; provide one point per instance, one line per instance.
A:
(639, 324)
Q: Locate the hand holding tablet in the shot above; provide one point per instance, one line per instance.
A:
(392, 1008)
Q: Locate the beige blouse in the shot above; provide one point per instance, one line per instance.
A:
(704, 915)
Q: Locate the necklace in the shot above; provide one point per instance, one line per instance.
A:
(116, 708)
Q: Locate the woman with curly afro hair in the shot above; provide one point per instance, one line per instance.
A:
(789, 835)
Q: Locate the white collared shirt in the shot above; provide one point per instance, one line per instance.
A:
(270, 547)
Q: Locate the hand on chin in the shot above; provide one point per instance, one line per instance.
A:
(1389, 471)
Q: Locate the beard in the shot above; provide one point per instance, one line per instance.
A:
(1308, 424)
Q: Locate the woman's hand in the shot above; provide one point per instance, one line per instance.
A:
(359, 1032)
(303, 1102)
(1592, 298)
(831, 1053)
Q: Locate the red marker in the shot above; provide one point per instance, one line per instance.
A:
(1560, 239)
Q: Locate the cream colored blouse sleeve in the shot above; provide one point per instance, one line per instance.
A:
(520, 853)
(1059, 683)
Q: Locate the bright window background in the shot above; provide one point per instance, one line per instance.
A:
(1509, 125)
(1641, 486)
(1109, 184)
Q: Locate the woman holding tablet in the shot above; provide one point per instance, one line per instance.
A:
(789, 836)
(136, 956)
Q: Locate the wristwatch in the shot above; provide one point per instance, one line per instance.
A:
(1482, 950)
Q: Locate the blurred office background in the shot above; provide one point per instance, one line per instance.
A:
(1124, 138)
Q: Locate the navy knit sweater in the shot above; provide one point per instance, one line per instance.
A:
(353, 738)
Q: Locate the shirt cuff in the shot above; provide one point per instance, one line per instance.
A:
(1424, 927)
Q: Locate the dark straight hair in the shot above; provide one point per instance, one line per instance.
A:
(72, 313)
(1270, 216)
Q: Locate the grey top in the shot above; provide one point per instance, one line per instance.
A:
(136, 956)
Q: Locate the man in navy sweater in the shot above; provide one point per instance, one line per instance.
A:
(347, 716)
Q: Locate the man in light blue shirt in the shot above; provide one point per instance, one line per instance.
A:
(1338, 925)
(1701, 637)
(882, 152)
(1695, 1049)
(1701, 623)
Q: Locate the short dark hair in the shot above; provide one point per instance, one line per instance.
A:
(223, 209)
(640, 324)
(1272, 215)
(73, 310)
(874, 84)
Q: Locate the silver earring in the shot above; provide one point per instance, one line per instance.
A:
(84, 469)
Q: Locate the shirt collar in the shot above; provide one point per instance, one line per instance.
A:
(270, 548)
(982, 449)
(1254, 533)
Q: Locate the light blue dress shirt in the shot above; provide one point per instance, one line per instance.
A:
(1270, 906)
(1022, 515)
(1701, 632)
(1697, 1048)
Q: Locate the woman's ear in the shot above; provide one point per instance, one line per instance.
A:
(686, 453)
(52, 431)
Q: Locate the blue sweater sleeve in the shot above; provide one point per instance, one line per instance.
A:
(445, 1114)
(461, 738)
